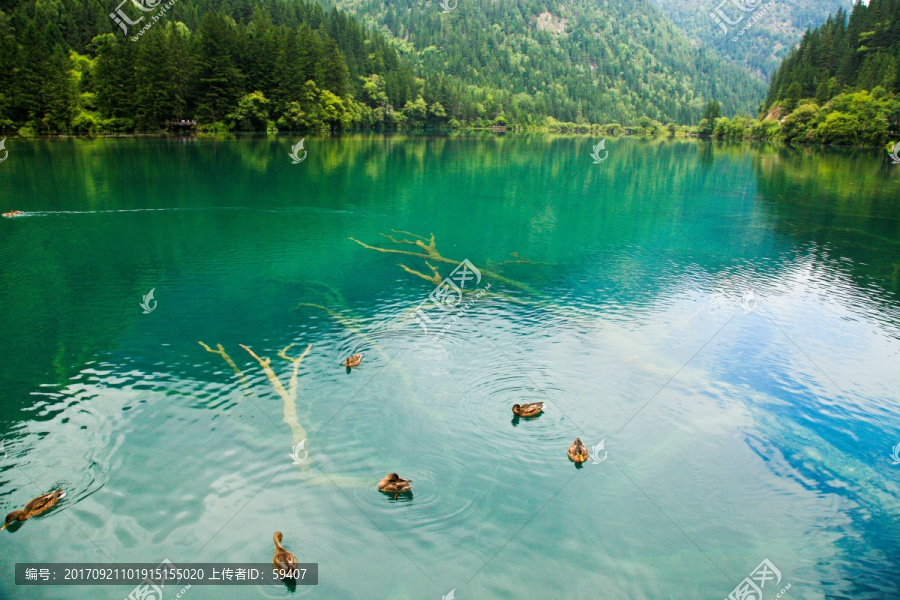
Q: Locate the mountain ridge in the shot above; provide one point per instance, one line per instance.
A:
(590, 61)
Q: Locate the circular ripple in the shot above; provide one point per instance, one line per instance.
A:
(486, 403)
(443, 497)
(77, 458)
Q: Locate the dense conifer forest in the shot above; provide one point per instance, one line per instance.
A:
(596, 61)
(839, 86)
(88, 66)
(67, 66)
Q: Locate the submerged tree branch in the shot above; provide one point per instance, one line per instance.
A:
(431, 253)
(435, 278)
(221, 352)
(519, 260)
(289, 396)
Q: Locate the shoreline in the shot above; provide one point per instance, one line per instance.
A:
(443, 133)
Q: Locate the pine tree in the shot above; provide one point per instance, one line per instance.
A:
(113, 76)
(154, 88)
(180, 67)
(333, 72)
(8, 73)
(58, 92)
(219, 82)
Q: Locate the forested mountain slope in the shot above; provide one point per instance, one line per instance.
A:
(841, 85)
(67, 66)
(859, 53)
(776, 27)
(596, 60)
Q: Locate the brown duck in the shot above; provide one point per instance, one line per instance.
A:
(578, 452)
(353, 361)
(35, 507)
(393, 484)
(282, 560)
(528, 410)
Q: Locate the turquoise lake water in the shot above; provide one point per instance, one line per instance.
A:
(720, 323)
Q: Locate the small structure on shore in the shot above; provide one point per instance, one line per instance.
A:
(182, 124)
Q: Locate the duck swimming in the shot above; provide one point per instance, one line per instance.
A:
(354, 360)
(393, 484)
(528, 410)
(578, 452)
(35, 507)
(282, 560)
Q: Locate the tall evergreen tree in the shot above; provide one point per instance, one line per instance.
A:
(114, 79)
(219, 81)
(333, 75)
